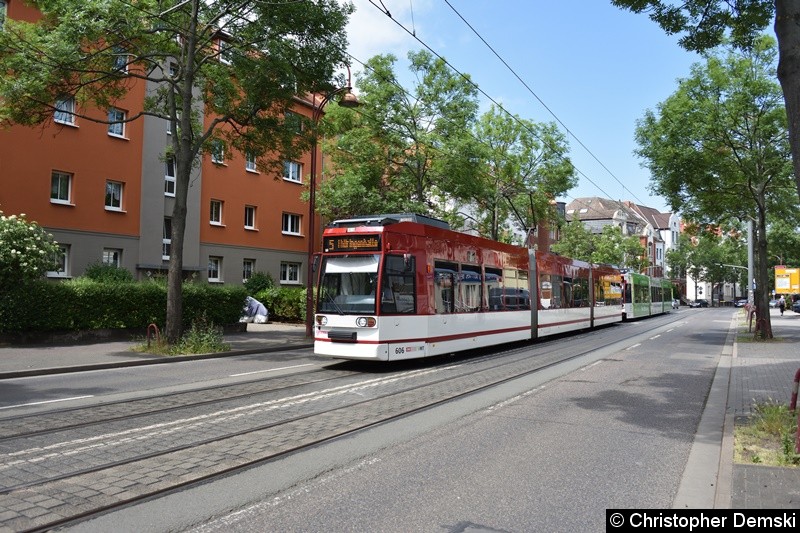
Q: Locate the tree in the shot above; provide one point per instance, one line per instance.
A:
(403, 149)
(609, 247)
(705, 22)
(27, 251)
(220, 72)
(523, 167)
(718, 146)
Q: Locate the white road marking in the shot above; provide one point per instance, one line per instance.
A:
(48, 401)
(634, 346)
(268, 370)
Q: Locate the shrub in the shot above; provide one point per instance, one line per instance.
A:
(286, 304)
(106, 273)
(258, 282)
(27, 251)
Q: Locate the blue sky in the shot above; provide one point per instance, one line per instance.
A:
(597, 68)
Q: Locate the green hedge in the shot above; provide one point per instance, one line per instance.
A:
(83, 304)
(285, 304)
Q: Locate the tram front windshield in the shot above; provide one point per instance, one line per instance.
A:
(349, 284)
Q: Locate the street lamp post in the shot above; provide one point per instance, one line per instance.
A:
(348, 99)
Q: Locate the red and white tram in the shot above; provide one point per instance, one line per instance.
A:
(405, 286)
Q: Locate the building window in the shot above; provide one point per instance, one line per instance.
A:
(65, 111)
(250, 162)
(112, 256)
(248, 267)
(218, 152)
(249, 217)
(113, 196)
(225, 52)
(214, 268)
(291, 224)
(120, 59)
(290, 273)
(293, 121)
(61, 260)
(292, 171)
(60, 188)
(166, 239)
(169, 176)
(215, 216)
(116, 122)
(177, 123)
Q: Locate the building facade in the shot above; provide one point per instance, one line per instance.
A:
(106, 193)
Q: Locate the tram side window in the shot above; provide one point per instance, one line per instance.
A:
(469, 289)
(494, 288)
(397, 288)
(566, 300)
(580, 292)
(545, 291)
(444, 286)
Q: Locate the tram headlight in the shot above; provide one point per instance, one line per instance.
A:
(322, 320)
(365, 322)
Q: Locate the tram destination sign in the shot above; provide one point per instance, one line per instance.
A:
(352, 243)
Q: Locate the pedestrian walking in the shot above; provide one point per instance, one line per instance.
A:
(782, 304)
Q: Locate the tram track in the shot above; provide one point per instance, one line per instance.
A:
(341, 410)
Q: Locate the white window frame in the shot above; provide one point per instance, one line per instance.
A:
(218, 152)
(62, 258)
(250, 217)
(120, 60)
(248, 269)
(250, 164)
(169, 123)
(290, 273)
(215, 218)
(293, 171)
(225, 51)
(65, 111)
(112, 256)
(166, 239)
(214, 269)
(116, 118)
(61, 176)
(170, 169)
(114, 186)
(291, 224)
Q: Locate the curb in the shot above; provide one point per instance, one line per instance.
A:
(157, 360)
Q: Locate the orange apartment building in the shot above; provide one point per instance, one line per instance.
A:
(106, 193)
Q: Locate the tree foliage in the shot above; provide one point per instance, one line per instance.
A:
(718, 148)
(425, 150)
(224, 71)
(401, 149)
(609, 247)
(27, 251)
(705, 24)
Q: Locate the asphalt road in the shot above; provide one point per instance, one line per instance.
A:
(550, 452)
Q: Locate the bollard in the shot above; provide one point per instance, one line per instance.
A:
(793, 401)
(155, 334)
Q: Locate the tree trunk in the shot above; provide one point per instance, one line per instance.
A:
(763, 322)
(787, 30)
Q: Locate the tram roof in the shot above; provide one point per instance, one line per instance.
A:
(387, 219)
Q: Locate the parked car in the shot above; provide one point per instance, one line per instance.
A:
(796, 306)
(741, 302)
(773, 303)
(676, 303)
(699, 303)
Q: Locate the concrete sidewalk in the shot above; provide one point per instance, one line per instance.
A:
(751, 373)
(32, 360)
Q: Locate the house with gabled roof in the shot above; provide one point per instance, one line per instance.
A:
(657, 232)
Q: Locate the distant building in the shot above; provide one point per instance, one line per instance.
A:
(658, 232)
